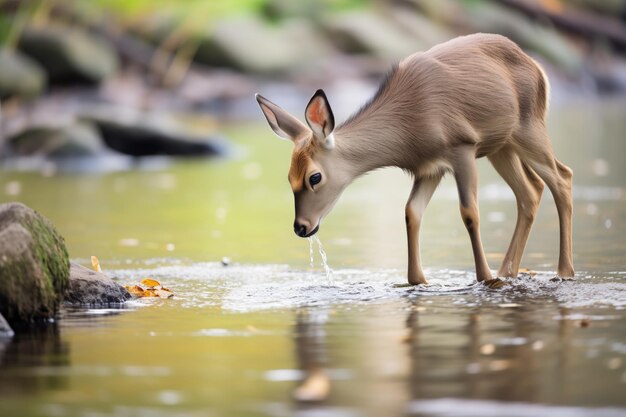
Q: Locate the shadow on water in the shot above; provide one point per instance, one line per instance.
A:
(42, 349)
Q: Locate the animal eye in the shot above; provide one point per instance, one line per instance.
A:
(315, 179)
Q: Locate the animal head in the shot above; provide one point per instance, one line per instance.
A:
(316, 175)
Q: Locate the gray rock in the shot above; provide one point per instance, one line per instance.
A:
(145, 135)
(19, 75)
(73, 140)
(5, 329)
(69, 55)
(88, 287)
(249, 44)
(529, 35)
(34, 265)
(365, 32)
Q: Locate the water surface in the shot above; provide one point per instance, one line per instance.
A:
(240, 339)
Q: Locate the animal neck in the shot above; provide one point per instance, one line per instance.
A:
(369, 143)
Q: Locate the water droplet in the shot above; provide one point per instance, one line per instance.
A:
(499, 365)
(600, 167)
(252, 171)
(311, 264)
(13, 188)
(170, 397)
(473, 368)
(592, 209)
(614, 363)
(329, 272)
(488, 349)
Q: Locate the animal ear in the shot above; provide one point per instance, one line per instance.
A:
(320, 118)
(282, 123)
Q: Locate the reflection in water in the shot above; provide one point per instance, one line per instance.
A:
(311, 351)
(40, 350)
(525, 351)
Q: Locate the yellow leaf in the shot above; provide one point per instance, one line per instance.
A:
(135, 290)
(96, 264)
(150, 283)
(150, 292)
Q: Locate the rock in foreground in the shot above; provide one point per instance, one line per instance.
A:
(34, 265)
(88, 287)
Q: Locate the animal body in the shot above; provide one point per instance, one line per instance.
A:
(435, 113)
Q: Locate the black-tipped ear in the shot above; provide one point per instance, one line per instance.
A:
(282, 123)
(319, 116)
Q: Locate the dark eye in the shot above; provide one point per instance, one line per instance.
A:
(315, 179)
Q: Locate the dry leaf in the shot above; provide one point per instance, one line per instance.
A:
(96, 264)
(527, 271)
(150, 292)
(150, 283)
(164, 293)
(135, 290)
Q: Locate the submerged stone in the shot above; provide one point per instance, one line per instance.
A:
(34, 265)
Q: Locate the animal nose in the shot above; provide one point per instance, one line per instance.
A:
(299, 229)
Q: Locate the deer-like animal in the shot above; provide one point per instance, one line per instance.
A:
(435, 113)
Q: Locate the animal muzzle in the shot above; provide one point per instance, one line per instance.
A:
(301, 229)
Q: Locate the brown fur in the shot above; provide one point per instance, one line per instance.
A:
(435, 112)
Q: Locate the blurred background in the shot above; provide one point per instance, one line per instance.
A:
(132, 126)
(132, 123)
(63, 60)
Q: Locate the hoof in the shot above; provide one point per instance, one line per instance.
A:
(409, 284)
(562, 279)
(494, 283)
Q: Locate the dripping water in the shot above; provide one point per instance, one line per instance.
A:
(324, 258)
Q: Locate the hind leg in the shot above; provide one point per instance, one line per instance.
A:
(558, 178)
(527, 187)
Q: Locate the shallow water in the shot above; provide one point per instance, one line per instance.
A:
(240, 339)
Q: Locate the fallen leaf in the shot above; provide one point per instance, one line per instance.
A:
(163, 293)
(96, 264)
(527, 271)
(150, 283)
(135, 290)
(150, 292)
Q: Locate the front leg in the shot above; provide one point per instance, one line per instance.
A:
(466, 176)
(423, 189)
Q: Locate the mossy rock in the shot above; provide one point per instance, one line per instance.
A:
(34, 266)
(19, 75)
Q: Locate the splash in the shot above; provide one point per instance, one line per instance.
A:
(329, 272)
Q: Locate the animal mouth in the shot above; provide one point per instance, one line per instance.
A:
(314, 231)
